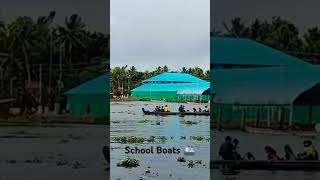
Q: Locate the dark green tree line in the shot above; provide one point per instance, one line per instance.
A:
(123, 79)
(60, 55)
(278, 33)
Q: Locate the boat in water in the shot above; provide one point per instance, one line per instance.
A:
(292, 165)
(176, 113)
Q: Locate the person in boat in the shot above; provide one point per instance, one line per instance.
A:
(249, 156)
(156, 109)
(200, 110)
(236, 149)
(289, 155)
(271, 153)
(194, 110)
(206, 109)
(162, 109)
(166, 108)
(309, 151)
(226, 150)
(181, 108)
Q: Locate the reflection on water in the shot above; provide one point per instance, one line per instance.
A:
(126, 120)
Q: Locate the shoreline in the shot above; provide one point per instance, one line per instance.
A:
(43, 120)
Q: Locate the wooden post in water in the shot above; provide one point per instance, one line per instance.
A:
(291, 115)
(279, 114)
(219, 119)
(243, 119)
(268, 117)
(258, 117)
(310, 114)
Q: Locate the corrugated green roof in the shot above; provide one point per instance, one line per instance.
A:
(175, 77)
(164, 82)
(279, 85)
(225, 50)
(98, 85)
(184, 88)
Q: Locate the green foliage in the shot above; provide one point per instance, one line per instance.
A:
(278, 33)
(199, 138)
(188, 122)
(129, 162)
(135, 139)
(70, 52)
(181, 159)
(129, 139)
(143, 121)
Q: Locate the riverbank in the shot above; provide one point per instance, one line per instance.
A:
(156, 100)
(51, 118)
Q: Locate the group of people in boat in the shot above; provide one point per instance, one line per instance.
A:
(309, 152)
(164, 108)
(229, 150)
(182, 109)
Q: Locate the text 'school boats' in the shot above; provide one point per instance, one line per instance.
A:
(297, 165)
(176, 113)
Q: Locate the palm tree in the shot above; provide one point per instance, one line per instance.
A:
(312, 40)
(72, 34)
(22, 37)
(69, 36)
(237, 28)
(44, 25)
(284, 35)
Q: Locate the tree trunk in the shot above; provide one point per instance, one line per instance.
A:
(50, 63)
(60, 68)
(27, 65)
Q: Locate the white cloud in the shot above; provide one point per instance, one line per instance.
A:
(149, 33)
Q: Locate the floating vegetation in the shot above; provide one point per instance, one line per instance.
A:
(143, 121)
(183, 137)
(190, 164)
(152, 139)
(135, 139)
(129, 139)
(189, 122)
(181, 159)
(163, 138)
(128, 163)
(198, 162)
(200, 138)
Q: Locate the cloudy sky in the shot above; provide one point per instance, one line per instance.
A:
(304, 14)
(95, 13)
(149, 33)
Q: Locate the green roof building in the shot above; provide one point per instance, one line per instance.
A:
(254, 83)
(90, 98)
(173, 86)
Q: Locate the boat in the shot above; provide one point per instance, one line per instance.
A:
(176, 113)
(292, 165)
(268, 131)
